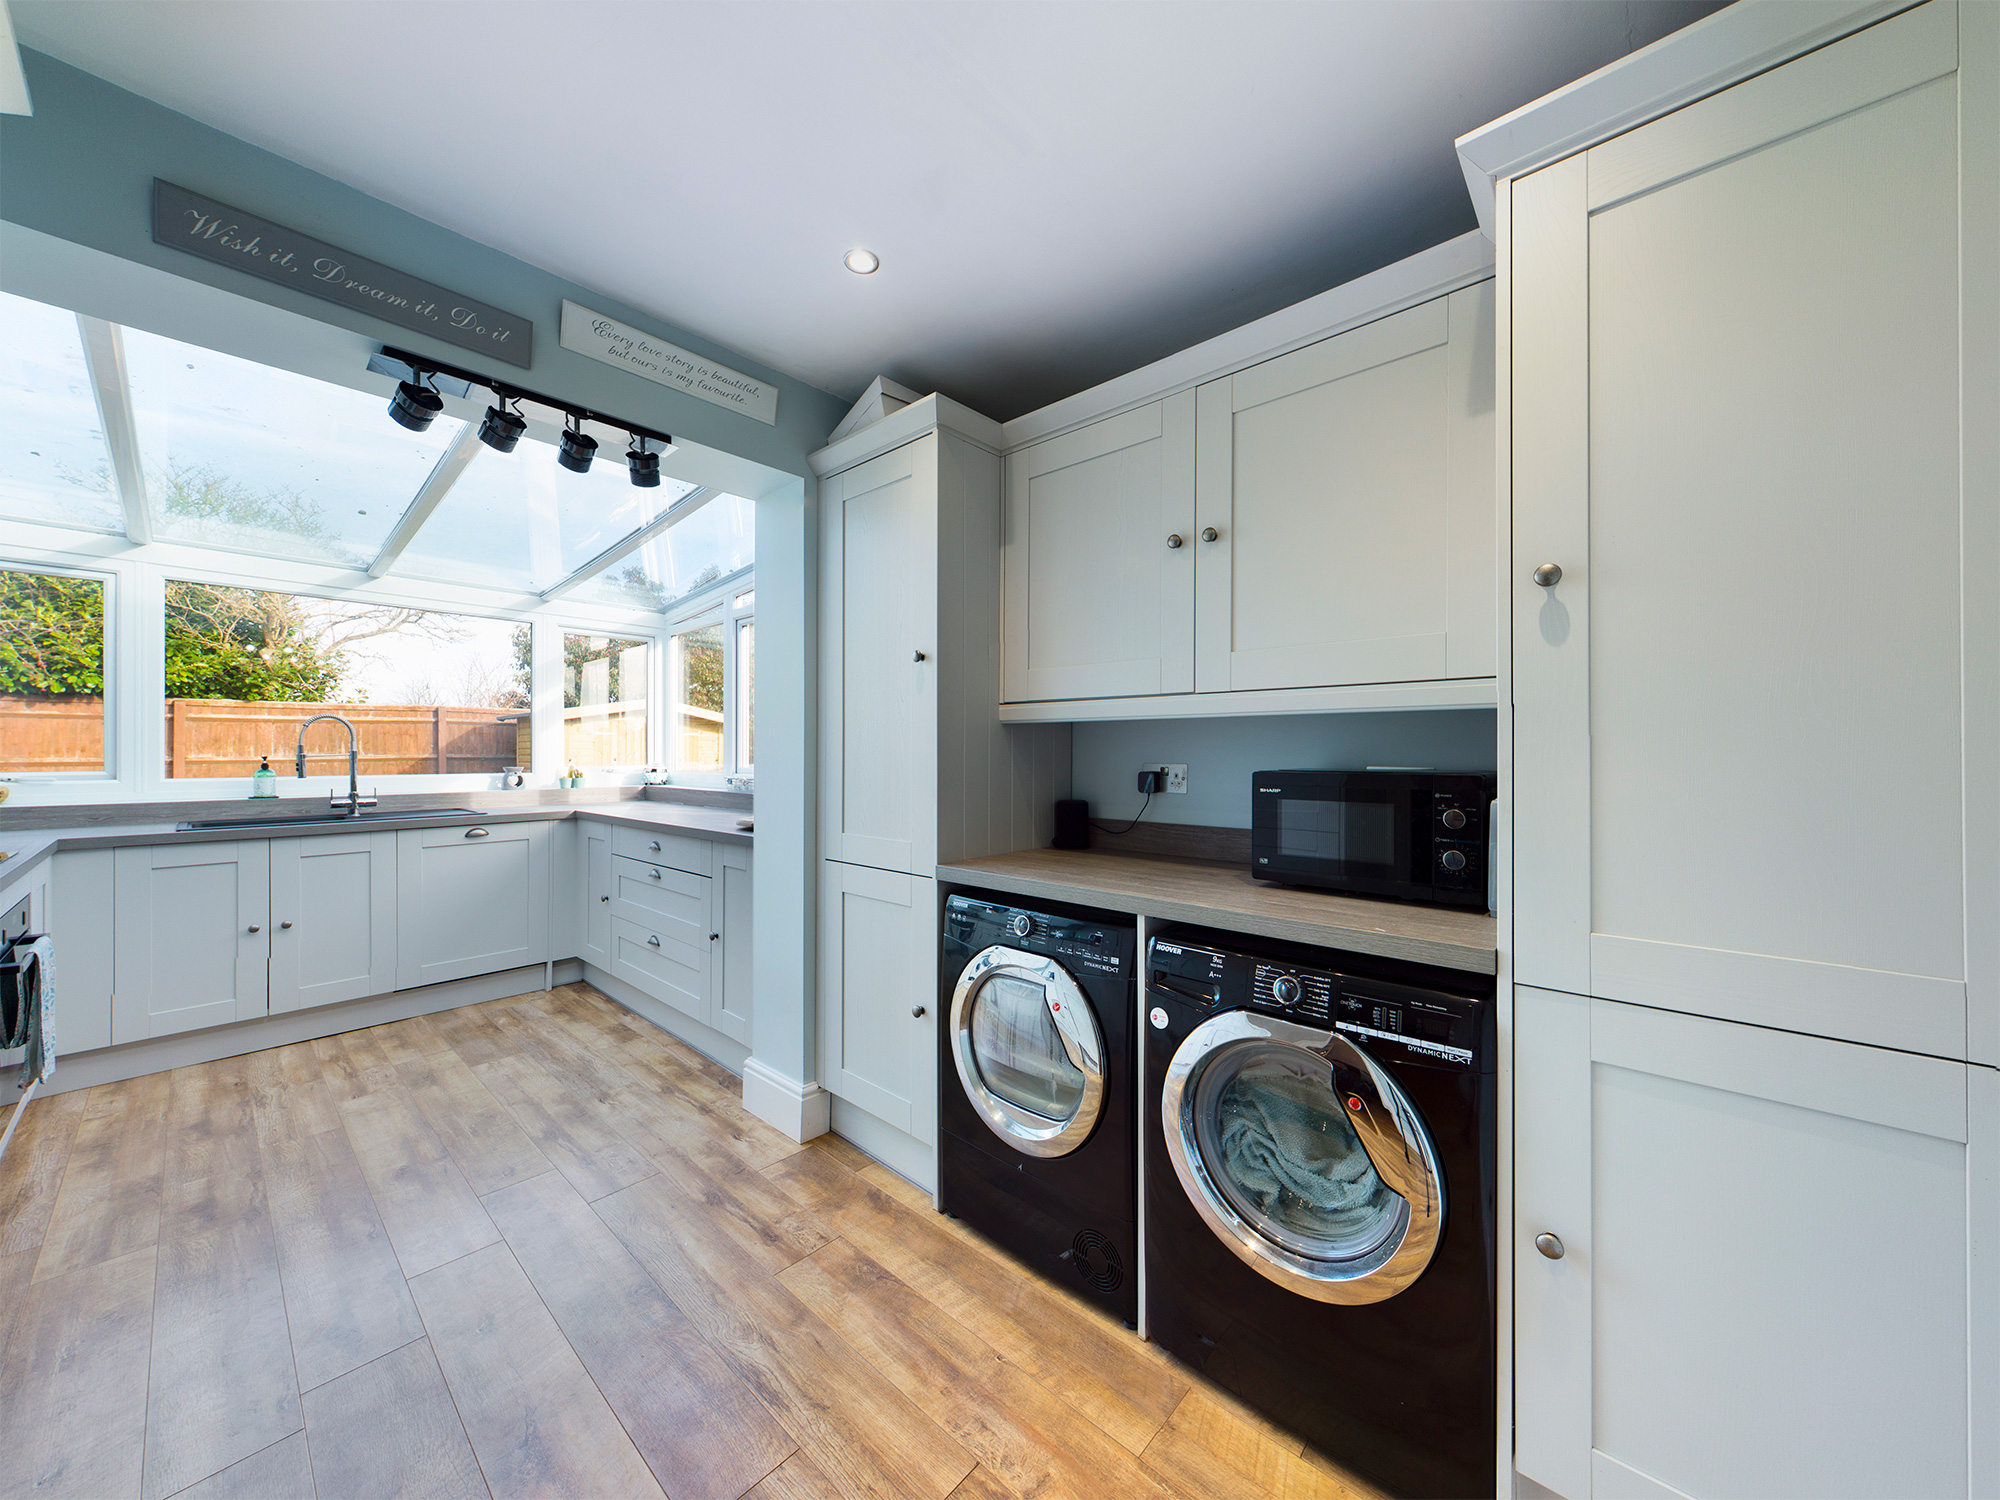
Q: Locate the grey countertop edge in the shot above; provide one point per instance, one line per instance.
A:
(1374, 941)
(27, 850)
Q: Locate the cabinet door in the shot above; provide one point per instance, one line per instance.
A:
(1097, 549)
(1739, 735)
(470, 901)
(333, 910)
(80, 920)
(1763, 1285)
(878, 965)
(595, 941)
(190, 939)
(878, 703)
(1349, 489)
(734, 939)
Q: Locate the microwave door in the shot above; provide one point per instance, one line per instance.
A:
(1352, 839)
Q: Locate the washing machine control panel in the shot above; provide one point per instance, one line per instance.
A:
(1304, 993)
(1079, 943)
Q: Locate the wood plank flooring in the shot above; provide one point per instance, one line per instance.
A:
(536, 1247)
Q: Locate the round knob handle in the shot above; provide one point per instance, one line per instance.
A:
(654, 873)
(284, 924)
(1210, 534)
(1453, 818)
(1174, 540)
(1549, 1245)
(653, 942)
(603, 898)
(917, 1010)
(713, 936)
(1021, 924)
(1548, 575)
(654, 846)
(1287, 990)
(1453, 859)
(256, 929)
(916, 656)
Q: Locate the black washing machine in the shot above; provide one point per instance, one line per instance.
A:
(1320, 1197)
(1037, 1145)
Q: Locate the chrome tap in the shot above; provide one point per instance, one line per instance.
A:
(354, 801)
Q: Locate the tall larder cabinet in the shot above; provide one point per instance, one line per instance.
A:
(1753, 787)
(915, 766)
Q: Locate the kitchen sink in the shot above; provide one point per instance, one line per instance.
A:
(320, 816)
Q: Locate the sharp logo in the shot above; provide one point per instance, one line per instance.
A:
(1271, 789)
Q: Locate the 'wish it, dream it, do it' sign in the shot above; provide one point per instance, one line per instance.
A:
(631, 349)
(228, 236)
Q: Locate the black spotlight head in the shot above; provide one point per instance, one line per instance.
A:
(645, 468)
(577, 450)
(414, 406)
(502, 429)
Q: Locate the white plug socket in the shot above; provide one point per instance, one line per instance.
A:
(1174, 778)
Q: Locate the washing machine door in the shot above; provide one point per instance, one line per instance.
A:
(1304, 1156)
(1029, 1052)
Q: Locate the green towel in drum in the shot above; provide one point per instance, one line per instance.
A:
(1289, 1150)
(27, 987)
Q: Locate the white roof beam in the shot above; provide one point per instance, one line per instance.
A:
(617, 552)
(430, 495)
(104, 357)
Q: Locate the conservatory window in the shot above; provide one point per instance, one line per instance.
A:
(604, 700)
(52, 717)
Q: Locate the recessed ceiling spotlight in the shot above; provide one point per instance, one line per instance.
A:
(862, 262)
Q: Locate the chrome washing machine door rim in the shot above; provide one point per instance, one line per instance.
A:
(1385, 1122)
(1076, 1027)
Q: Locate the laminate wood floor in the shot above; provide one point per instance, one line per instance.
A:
(536, 1247)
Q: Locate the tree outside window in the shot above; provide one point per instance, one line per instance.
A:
(51, 674)
(604, 700)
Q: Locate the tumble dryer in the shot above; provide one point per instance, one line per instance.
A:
(1037, 1148)
(1320, 1197)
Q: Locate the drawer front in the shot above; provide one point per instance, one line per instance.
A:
(668, 968)
(654, 895)
(675, 850)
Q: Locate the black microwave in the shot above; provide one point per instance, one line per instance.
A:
(1415, 835)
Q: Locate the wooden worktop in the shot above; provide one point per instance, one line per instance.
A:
(1224, 896)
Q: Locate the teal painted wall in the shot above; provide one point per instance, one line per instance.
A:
(82, 168)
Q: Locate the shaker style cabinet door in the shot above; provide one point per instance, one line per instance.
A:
(878, 638)
(1098, 550)
(594, 842)
(1344, 507)
(470, 901)
(1742, 1259)
(333, 919)
(734, 941)
(878, 964)
(191, 940)
(1740, 716)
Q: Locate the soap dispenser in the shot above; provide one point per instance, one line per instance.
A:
(265, 782)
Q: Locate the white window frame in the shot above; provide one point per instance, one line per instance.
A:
(714, 605)
(116, 754)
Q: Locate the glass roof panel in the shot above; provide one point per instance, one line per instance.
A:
(520, 520)
(53, 463)
(255, 459)
(714, 542)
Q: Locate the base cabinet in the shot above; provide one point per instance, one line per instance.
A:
(878, 994)
(470, 901)
(191, 945)
(1766, 1259)
(333, 913)
(734, 940)
(594, 932)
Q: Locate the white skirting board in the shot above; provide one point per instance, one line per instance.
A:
(83, 1070)
(709, 1042)
(801, 1110)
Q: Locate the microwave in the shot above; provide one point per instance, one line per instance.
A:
(1413, 835)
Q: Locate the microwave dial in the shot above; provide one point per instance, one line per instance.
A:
(1453, 818)
(1452, 859)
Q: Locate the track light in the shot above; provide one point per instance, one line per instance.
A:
(502, 428)
(645, 466)
(415, 406)
(578, 448)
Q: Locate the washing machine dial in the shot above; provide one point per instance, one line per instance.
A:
(1021, 925)
(1286, 989)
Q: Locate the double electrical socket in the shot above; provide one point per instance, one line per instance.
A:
(1172, 779)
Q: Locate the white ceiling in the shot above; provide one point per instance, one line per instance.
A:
(1058, 192)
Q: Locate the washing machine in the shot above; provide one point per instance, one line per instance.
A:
(1319, 1175)
(1037, 1145)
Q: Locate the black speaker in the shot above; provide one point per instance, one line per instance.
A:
(1072, 825)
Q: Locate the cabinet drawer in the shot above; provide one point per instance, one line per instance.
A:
(675, 850)
(661, 897)
(651, 958)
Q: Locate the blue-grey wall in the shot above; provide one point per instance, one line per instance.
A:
(1222, 754)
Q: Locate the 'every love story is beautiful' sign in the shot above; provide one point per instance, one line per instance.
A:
(228, 236)
(622, 345)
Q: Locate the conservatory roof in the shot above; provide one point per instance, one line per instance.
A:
(115, 430)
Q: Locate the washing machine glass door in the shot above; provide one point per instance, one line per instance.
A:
(1028, 1049)
(1304, 1156)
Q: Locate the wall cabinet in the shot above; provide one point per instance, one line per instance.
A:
(1754, 716)
(878, 941)
(333, 916)
(1097, 548)
(470, 900)
(1766, 1263)
(190, 936)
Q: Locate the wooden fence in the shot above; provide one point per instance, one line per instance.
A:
(219, 737)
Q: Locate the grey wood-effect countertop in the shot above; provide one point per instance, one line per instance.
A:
(28, 848)
(1226, 897)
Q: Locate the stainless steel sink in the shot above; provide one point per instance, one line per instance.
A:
(320, 817)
